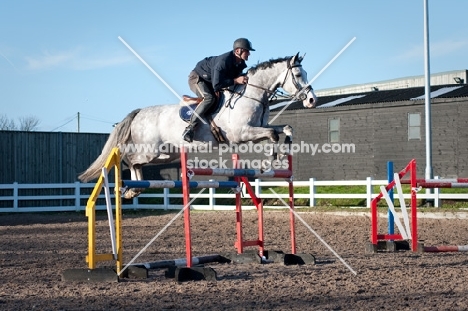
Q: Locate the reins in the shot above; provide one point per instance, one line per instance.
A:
(268, 91)
(241, 94)
(273, 93)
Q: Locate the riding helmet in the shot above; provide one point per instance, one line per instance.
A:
(243, 43)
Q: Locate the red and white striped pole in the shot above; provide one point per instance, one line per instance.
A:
(186, 202)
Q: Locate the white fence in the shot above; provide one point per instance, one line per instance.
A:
(73, 196)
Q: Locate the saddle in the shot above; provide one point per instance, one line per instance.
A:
(189, 104)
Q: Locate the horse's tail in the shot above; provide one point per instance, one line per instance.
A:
(119, 135)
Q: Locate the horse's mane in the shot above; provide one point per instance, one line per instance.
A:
(267, 64)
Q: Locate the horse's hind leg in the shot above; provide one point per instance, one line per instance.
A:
(136, 173)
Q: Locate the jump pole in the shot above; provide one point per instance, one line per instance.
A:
(177, 184)
(292, 220)
(238, 172)
(440, 183)
(186, 202)
(446, 248)
(391, 220)
(162, 264)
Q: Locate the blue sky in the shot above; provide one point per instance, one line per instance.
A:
(58, 58)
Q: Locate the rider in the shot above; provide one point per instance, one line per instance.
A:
(214, 73)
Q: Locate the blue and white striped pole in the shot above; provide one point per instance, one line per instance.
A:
(391, 220)
(177, 184)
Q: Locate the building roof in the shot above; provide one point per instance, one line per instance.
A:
(378, 96)
(441, 78)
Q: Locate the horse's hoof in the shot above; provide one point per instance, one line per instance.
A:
(288, 130)
(275, 137)
(128, 194)
(266, 166)
(131, 193)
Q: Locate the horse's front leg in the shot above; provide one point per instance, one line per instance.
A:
(284, 129)
(285, 149)
(256, 134)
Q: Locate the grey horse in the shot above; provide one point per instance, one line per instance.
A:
(144, 135)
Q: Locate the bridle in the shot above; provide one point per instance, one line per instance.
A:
(301, 93)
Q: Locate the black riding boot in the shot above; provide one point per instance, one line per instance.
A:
(188, 134)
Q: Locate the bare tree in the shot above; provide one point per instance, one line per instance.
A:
(28, 124)
(7, 124)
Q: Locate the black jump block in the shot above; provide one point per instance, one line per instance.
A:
(183, 274)
(246, 257)
(298, 259)
(391, 246)
(136, 273)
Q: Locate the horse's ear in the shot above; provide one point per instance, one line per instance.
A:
(296, 58)
(301, 58)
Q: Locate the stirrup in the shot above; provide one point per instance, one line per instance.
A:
(188, 135)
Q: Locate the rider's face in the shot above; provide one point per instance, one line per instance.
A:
(243, 54)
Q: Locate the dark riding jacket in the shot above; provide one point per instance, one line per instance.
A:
(220, 70)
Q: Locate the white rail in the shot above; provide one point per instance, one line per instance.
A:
(73, 196)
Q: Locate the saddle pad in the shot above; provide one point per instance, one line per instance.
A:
(185, 113)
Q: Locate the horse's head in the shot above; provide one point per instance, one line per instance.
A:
(294, 81)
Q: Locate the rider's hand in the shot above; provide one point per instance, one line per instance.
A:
(241, 80)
